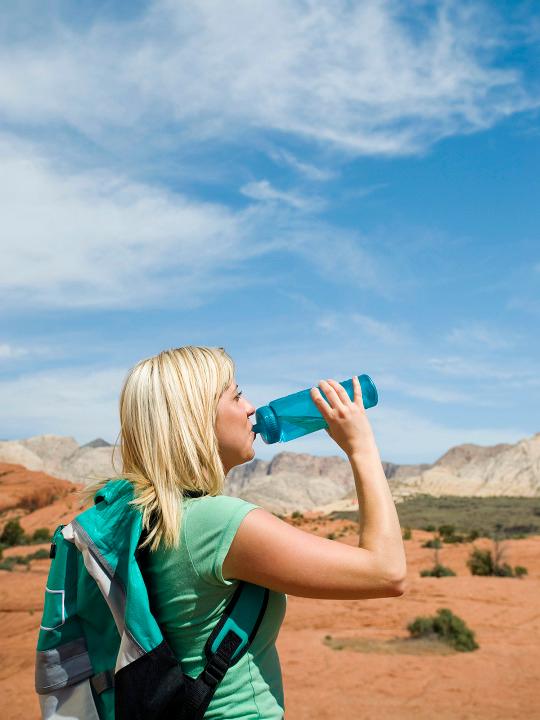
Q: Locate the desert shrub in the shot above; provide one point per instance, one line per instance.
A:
(429, 528)
(438, 571)
(13, 534)
(480, 562)
(503, 570)
(406, 533)
(331, 536)
(297, 514)
(520, 530)
(40, 554)
(445, 530)
(473, 535)
(434, 543)
(42, 535)
(39, 498)
(7, 564)
(447, 627)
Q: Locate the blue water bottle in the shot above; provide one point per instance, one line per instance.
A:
(295, 415)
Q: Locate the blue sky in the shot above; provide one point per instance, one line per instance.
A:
(322, 188)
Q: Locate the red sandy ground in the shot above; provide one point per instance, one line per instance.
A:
(500, 681)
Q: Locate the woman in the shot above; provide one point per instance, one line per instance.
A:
(184, 425)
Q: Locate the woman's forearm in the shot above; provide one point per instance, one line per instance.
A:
(380, 531)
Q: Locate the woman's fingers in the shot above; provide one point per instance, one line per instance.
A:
(320, 403)
(340, 392)
(331, 394)
(357, 388)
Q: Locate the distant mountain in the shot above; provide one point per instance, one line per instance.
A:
(298, 481)
(62, 457)
(97, 443)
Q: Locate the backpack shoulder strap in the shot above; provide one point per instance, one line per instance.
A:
(228, 642)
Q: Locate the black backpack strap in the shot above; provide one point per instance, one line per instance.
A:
(229, 641)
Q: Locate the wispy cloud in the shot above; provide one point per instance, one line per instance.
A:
(516, 375)
(51, 401)
(354, 76)
(478, 335)
(99, 239)
(309, 171)
(263, 190)
(8, 352)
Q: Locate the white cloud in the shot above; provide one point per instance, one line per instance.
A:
(81, 402)
(98, 239)
(405, 437)
(475, 334)
(355, 76)
(311, 172)
(9, 352)
(516, 374)
(266, 192)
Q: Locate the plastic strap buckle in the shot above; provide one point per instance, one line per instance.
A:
(215, 670)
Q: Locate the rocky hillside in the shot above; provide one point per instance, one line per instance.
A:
(37, 499)
(61, 456)
(296, 481)
(468, 469)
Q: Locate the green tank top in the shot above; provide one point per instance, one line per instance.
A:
(188, 594)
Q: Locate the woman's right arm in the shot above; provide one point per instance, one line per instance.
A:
(269, 552)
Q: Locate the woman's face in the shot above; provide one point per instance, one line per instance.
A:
(233, 428)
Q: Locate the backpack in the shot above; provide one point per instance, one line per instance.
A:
(101, 654)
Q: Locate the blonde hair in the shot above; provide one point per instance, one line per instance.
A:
(168, 445)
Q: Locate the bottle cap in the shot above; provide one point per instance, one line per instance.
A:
(267, 425)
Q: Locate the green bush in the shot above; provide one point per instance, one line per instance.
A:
(13, 534)
(406, 533)
(331, 536)
(42, 535)
(481, 562)
(429, 528)
(434, 543)
(40, 554)
(447, 627)
(8, 563)
(438, 571)
(503, 570)
(297, 514)
(445, 530)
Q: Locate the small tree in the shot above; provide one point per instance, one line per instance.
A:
(42, 535)
(438, 569)
(480, 562)
(13, 534)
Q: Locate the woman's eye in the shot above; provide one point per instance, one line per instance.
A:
(238, 396)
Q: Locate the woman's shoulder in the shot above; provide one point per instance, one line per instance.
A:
(218, 507)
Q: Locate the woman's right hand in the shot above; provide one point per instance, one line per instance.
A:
(348, 424)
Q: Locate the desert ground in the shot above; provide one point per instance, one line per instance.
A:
(499, 681)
